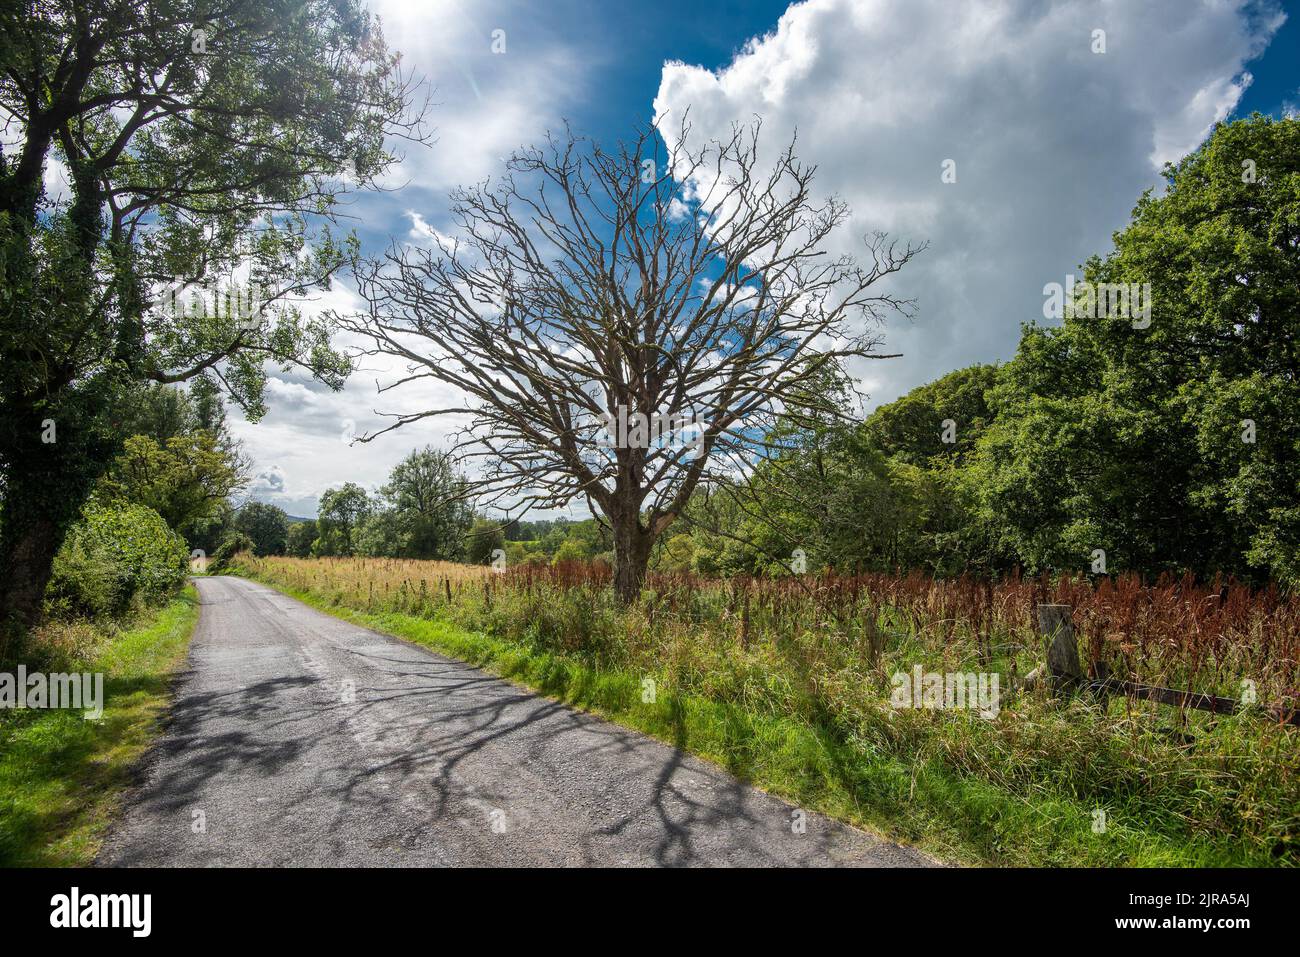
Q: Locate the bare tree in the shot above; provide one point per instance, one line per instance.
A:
(625, 324)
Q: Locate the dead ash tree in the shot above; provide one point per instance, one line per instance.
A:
(687, 292)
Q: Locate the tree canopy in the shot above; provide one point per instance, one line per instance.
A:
(203, 144)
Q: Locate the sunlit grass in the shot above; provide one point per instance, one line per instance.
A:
(62, 777)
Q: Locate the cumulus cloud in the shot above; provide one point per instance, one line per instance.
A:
(269, 481)
(1051, 142)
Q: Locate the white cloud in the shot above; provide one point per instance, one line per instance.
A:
(425, 234)
(485, 104)
(1291, 108)
(304, 444)
(270, 481)
(58, 181)
(1053, 143)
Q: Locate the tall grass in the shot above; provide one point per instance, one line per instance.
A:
(1177, 786)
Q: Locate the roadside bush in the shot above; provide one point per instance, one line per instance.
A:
(115, 555)
(230, 546)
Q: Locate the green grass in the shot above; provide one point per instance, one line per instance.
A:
(918, 798)
(62, 777)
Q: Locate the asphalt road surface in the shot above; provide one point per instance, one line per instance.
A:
(299, 739)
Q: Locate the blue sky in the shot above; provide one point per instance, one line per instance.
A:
(1053, 143)
(1276, 83)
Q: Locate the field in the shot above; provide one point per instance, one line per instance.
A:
(788, 682)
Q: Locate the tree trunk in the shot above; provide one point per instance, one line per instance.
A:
(632, 546)
(25, 566)
(44, 486)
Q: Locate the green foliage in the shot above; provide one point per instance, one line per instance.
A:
(484, 537)
(234, 543)
(572, 549)
(117, 554)
(233, 171)
(381, 533)
(911, 429)
(516, 553)
(429, 512)
(677, 554)
(1131, 439)
(1170, 447)
(342, 511)
(301, 537)
(163, 412)
(186, 479)
(267, 526)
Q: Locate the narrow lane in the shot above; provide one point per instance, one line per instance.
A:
(300, 739)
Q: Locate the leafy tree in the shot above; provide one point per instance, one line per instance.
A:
(301, 537)
(1111, 434)
(881, 494)
(342, 510)
(428, 500)
(573, 549)
(201, 143)
(382, 533)
(516, 553)
(912, 428)
(1169, 445)
(164, 411)
(267, 526)
(483, 538)
(186, 480)
(210, 536)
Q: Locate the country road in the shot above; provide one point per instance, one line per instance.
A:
(266, 761)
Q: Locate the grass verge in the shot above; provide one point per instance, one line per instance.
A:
(918, 799)
(62, 777)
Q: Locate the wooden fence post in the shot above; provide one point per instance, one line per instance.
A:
(744, 620)
(1056, 625)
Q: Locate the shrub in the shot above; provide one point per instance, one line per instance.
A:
(230, 546)
(570, 550)
(113, 556)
